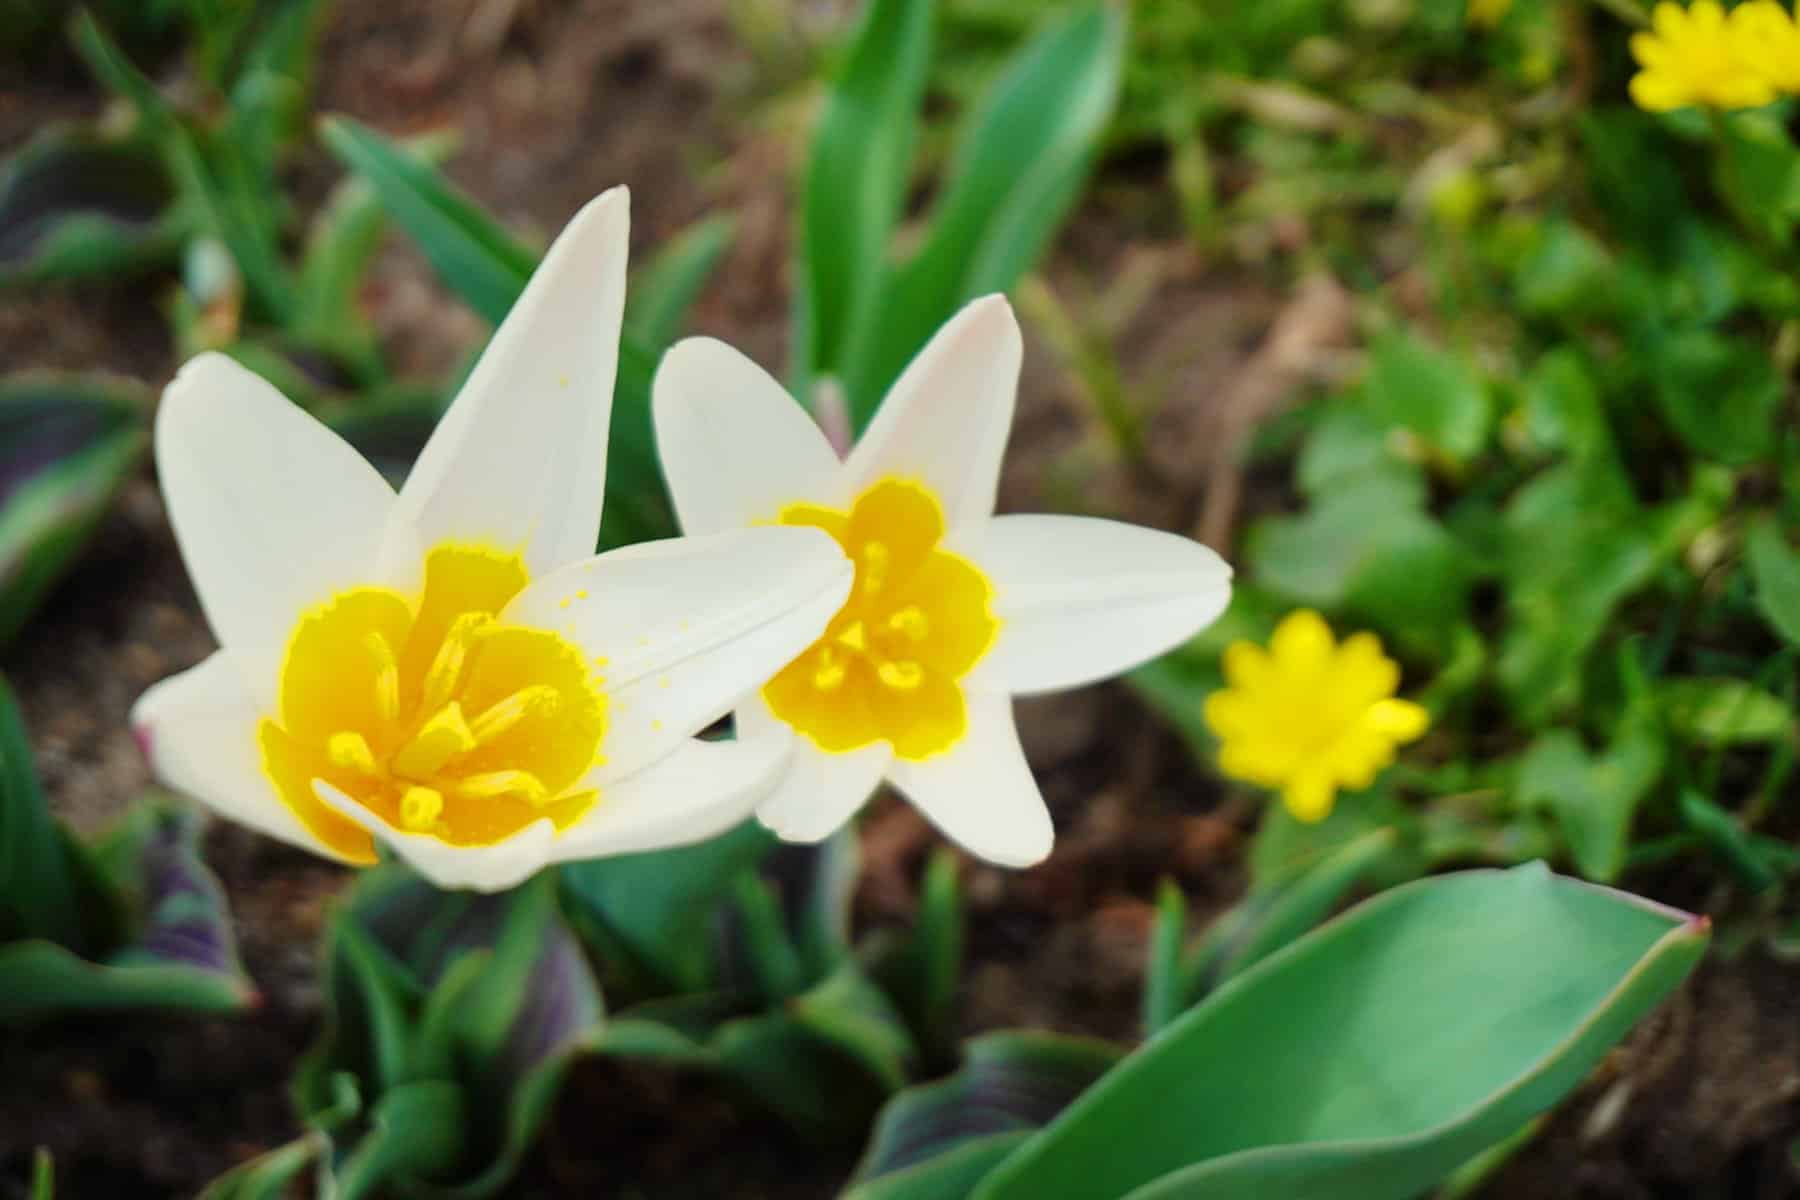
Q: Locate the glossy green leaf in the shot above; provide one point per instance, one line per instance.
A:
(657, 303)
(1724, 712)
(39, 894)
(1009, 1083)
(478, 259)
(416, 1132)
(1775, 570)
(67, 443)
(1594, 797)
(1435, 394)
(1322, 1071)
(1722, 395)
(75, 205)
(857, 170)
(1020, 160)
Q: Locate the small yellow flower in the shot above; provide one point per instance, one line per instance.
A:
(1696, 56)
(1768, 39)
(1308, 715)
(1487, 14)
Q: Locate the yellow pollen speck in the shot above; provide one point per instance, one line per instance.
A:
(420, 808)
(890, 664)
(350, 750)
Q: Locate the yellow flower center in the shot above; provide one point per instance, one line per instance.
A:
(434, 714)
(917, 620)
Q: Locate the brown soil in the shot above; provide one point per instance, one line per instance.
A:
(556, 100)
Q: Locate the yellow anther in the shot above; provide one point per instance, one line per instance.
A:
(875, 557)
(439, 740)
(522, 784)
(910, 621)
(540, 699)
(831, 673)
(350, 750)
(854, 637)
(420, 808)
(447, 666)
(903, 675)
(387, 675)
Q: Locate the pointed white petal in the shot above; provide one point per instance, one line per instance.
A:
(1080, 598)
(980, 793)
(818, 792)
(492, 868)
(698, 791)
(273, 511)
(688, 627)
(519, 460)
(198, 729)
(946, 419)
(735, 447)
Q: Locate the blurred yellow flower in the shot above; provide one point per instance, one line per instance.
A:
(1487, 14)
(1697, 56)
(1768, 39)
(1308, 715)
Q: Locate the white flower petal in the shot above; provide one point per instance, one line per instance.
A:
(1080, 598)
(492, 868)
(273, 511)
(818, 792)
(198, 730)
(519, 460)
(735, 447)
(698, 791)
(946, 419)
(687, 627)
(980, 792)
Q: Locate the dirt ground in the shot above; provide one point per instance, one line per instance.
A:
(556, 100)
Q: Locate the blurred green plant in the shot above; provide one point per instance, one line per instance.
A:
(134, 920)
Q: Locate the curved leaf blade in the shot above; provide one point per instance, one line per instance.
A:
(1321, 1071)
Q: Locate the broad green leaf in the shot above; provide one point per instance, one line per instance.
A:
(39, 892)
(924, 970)
(478, 259)
(656, 909)
(75, 205)
(1758, 173)
(181, 955)
(67, 443)
(1020, 160)
(1562, 409)
(656, 306)
(1594, 797)
(416, 1132)
(857, 170)
(1721, 394)
(951, 1175)
(1009, 1083)
(1322, 1071)
(1724, 712)
(1566, 271)
(1775, 570)
(1433, 393)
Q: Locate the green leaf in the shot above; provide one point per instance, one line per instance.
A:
(1279, 1085)
(1594, 797)
(478, 259)
(1020, 160)
(76, 205)
(656, 306)
(1165, 983)
(68, 442)
(1723, 712)
(654, 910)
(43, 1175)
(269, 1176)
(1721, 394)
(1009, 1083)
(1435, 394)
(39, 893)
(856, 179)
(182, 955)
(1775, 570)
(416, 1132)
(923, 971)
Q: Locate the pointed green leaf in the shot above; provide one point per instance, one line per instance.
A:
(75, 205)
(39, 897)
(1775, 569)
(857, 170)
(1724, 711)
(1020, 161)
(922, 971)
(1594, 797)
(269, 1176)
(1322, 1071)
(657, 303)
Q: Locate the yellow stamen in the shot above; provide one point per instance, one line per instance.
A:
(904, 675)
(420, 808)
(387, 675)
(912, 622)
(350, 750)
(539, 700)
(854, 637)
(831, 673)
(447, 666)
(504, 783)
(439, 740)
(875, 557)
